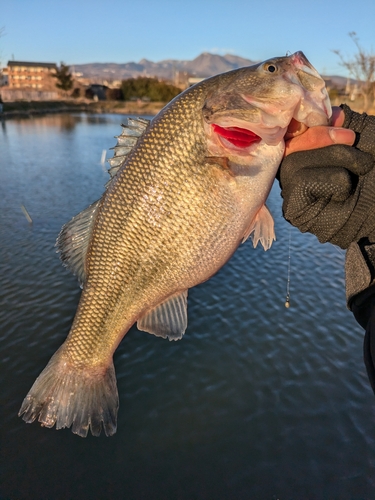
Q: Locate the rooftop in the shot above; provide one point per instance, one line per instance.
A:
(31, 64)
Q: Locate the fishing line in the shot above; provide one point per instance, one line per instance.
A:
(287, 299)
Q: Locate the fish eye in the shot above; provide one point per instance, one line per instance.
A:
(271, 68)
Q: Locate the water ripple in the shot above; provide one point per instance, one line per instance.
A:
(257, 401)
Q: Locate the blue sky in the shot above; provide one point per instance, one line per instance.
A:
(82, 31)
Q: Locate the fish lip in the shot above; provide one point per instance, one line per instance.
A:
(300, 61)
(314, 85)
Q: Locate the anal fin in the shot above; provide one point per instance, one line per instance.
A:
(168, 319)
(261, 229)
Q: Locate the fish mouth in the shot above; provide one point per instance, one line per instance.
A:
(294, 129)
(237, 137)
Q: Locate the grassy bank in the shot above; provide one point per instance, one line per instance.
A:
(29, 108)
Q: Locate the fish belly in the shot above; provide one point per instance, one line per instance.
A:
(172, 241)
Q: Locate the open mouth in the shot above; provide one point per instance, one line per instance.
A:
(295, 128)
(239, 137)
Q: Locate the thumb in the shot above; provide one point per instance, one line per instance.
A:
(319, 137)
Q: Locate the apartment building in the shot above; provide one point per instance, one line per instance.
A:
(30, 75)
(29, 81)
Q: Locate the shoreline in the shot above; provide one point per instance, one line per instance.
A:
(34, 108)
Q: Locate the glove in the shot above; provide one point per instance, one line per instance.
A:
(330, 191)
(360, 257)
(360, 292)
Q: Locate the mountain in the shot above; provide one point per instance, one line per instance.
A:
(204, 65)
(336, 81)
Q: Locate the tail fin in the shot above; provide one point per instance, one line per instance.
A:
(65, 396)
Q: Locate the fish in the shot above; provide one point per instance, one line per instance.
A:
(186, 189)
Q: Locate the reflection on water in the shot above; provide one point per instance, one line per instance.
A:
(257, 401)
(63, 122)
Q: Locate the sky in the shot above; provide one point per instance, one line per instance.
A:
(120, 31)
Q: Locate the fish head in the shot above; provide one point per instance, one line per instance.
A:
(257, 103)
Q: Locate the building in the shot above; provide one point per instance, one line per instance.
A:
(96, 92)
(30, 81)
(31, 75)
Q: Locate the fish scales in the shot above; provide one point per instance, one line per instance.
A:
(191, 189)
(190, 197)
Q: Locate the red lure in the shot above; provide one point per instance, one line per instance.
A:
(239, 137)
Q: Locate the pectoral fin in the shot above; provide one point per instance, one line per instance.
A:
(261, 229)
(219, 161)
(167, 320)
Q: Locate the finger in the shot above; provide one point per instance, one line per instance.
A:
(296, 128)
(319, 137)
(338, 117)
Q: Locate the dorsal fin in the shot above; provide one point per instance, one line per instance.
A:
(73, 240)
(130, 134)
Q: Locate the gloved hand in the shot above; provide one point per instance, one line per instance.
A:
(360, 292)
(330, 191)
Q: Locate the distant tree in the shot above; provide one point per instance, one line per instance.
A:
(333, 93)
(64, 77)
(76, 92)
(362, 68)
(114, 94)
(150, 88)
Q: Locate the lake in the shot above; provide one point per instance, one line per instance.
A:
(257, 401)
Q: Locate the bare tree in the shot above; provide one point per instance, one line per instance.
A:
(362, 68)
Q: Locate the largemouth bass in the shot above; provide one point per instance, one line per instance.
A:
(184, 195)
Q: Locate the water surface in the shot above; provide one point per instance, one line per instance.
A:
(256, 402)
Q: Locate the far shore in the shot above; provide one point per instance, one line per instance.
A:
(31, 108)
(34, 108)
